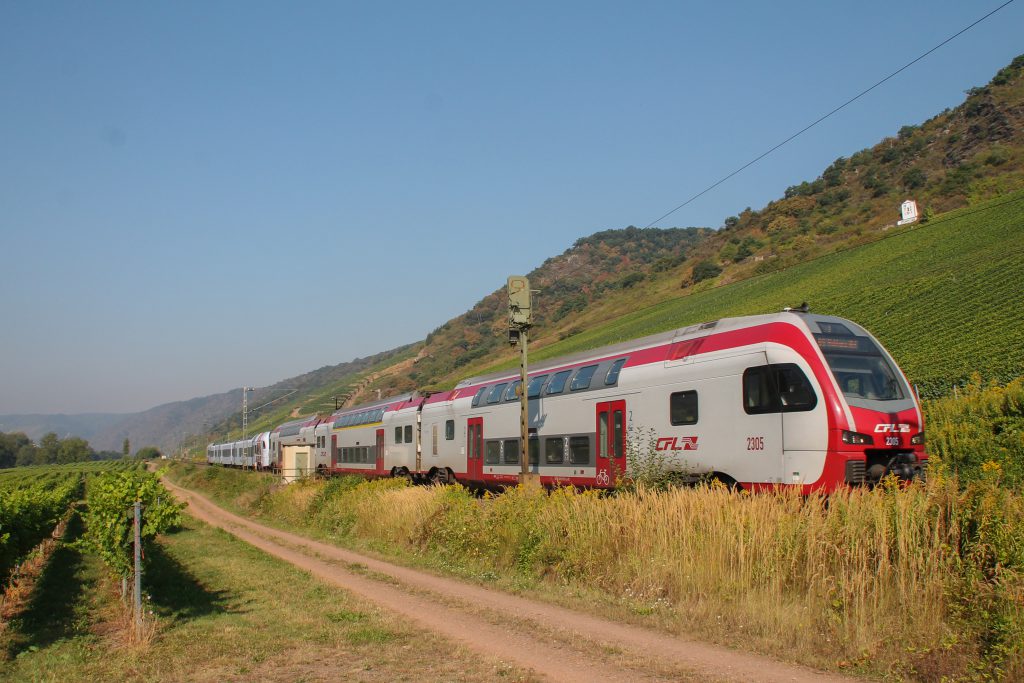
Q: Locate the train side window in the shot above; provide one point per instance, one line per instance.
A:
(449, 430)
(535, 385)
(618, 434)
(579, 450)
(510, 393)
(495, 394)
(759, 393)
(398, 435)
(533, 445)
(510, 452)
(582, 378)
(683, 408)
(408, 433)
(492, 452)
(613, 372)
(795, 391)
(782, 388)
(478, 395)
(557, 383)
(554, 451)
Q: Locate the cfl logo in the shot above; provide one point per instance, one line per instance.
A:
(892, 429)
(677, 443)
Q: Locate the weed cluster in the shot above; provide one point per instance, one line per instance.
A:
(978, 432)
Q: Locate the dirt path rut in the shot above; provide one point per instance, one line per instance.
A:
(555, 643)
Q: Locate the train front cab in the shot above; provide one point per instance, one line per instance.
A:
(884, 429)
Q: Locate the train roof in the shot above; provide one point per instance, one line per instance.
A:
(379, 403)
(692, 331)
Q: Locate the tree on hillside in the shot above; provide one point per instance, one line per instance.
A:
(10, 445)
(126, 448)
(74, 449)
(148, 453)
(48, 447)
(26, 455)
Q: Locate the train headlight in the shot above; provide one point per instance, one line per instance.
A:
(917, 439)
(857, 439)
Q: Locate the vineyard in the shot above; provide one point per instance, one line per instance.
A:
(33, 499)
(944, 297)
(29, 513)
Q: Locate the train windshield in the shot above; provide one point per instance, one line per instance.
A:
(860, 368)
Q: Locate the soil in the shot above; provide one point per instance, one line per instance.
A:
(553, 642)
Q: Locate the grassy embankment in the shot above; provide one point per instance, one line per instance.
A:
(919, 583)
(224, 611)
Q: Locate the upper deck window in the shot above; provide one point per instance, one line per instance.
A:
(582, 378)
(557, 383)
(478, 395)
(859, 367)
(510, 393)
(495, 394)
(613, 372)
(535, 385)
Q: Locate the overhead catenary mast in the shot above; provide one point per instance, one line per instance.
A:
(520, 320)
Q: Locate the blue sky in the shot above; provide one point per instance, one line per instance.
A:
(196, 196)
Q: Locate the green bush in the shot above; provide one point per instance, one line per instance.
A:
(110, 498)
(978, 432)
(705, 270)
(29, 513)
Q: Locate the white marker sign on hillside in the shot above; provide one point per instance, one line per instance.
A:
(909, 211)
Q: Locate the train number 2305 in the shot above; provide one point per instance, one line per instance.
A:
(755, 443)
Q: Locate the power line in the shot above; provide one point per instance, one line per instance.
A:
(837, 109)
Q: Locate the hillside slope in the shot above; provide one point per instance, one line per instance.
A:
(945, 297)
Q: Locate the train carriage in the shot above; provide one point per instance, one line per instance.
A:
(791, 398)
(357, 437)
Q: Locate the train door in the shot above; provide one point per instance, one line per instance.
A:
(757, 444)
(334, 451)
(475, 448)
(611, 441)
(380, 451)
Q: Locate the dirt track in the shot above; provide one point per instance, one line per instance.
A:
(555, 643)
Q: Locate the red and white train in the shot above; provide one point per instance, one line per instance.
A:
(791, 399)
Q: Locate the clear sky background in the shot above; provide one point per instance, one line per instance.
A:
(200, 195)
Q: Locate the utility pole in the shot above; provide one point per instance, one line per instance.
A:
(520, 320)
(137, 583)
(245, 418)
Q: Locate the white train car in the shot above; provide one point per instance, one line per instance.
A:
(357, 437)
(263, 457)
(791, 398)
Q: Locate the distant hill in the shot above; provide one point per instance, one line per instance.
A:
(170, 425)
